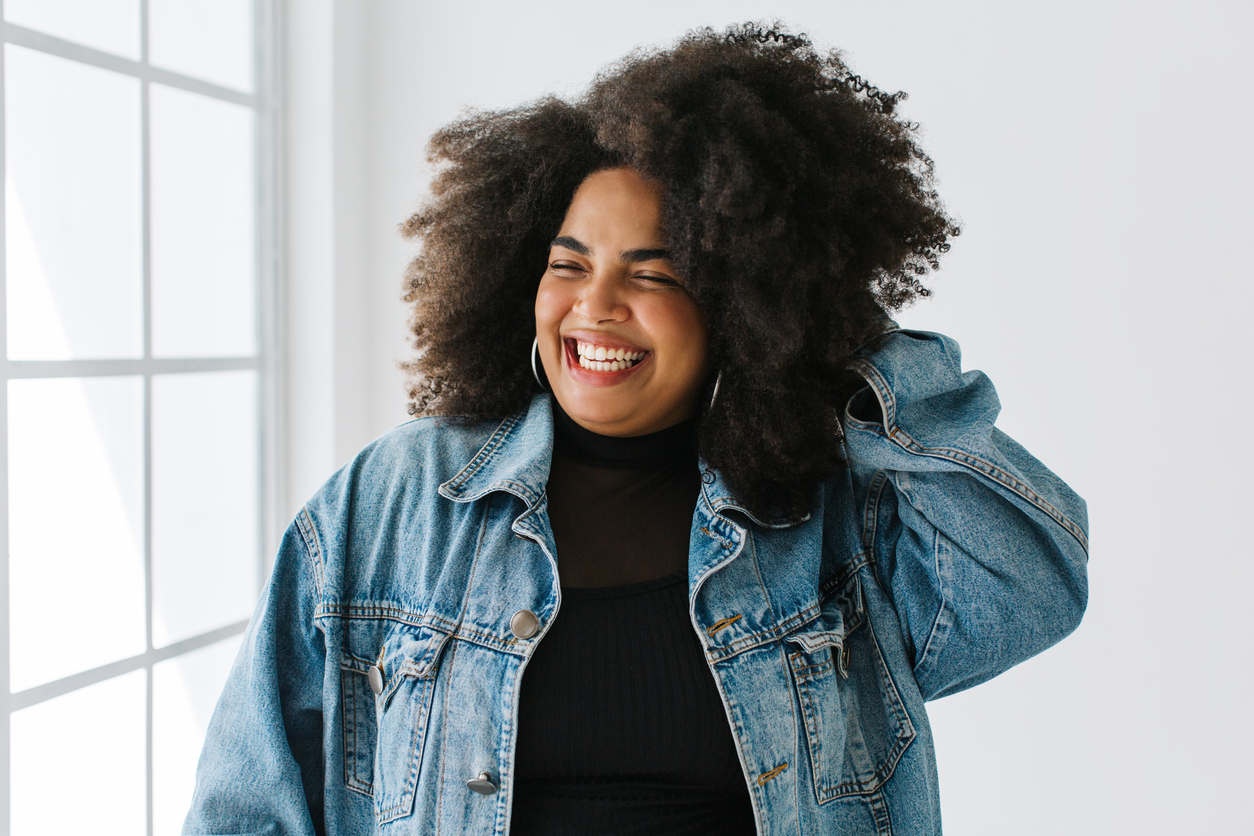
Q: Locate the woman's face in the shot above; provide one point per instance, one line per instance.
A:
(610, 292)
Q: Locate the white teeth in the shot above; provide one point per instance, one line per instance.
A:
(605, 365)
(605, 359)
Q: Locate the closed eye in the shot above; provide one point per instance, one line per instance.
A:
(666, 281)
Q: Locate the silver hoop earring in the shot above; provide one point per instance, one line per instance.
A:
(535, 371)
(714, 394)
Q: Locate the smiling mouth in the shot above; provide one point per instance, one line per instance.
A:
(603, 358)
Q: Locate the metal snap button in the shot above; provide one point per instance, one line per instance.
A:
(376, 679)
(483, 784)
(524, 624)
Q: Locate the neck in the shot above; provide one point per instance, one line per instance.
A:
(671, 446)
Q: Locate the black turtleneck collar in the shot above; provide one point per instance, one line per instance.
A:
(675, 445)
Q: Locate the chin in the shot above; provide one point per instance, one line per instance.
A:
(594, 414)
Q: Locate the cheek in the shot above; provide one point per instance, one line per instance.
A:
(551, 306)
(686, 333)
(687, 329)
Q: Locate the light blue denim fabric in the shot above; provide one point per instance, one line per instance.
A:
(944, 555)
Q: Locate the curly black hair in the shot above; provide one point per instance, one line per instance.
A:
(798, 207)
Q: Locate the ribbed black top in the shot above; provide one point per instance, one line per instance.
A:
(621, 728)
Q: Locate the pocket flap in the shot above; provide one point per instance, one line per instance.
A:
(840, 613)
(388, 685)
(814, 642)
(402, 651)
(413, 653)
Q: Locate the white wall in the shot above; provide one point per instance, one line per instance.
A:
(1098, 154)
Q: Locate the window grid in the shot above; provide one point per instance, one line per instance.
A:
(267, 264)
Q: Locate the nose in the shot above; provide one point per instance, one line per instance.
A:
(602, 300)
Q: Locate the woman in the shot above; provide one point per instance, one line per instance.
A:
(773, 523)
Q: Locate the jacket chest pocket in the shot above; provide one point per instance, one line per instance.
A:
(856, 725)
(386, 709)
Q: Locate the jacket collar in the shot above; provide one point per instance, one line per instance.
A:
(517, 457)
(718, 497)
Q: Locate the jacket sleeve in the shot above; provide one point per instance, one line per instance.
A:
(261, 769)
(981, 548)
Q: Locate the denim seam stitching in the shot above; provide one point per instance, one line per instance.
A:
(939, 631)
(871, 515)
(411, 782)
(897, 706)
(880, 813)
(474, 562)
(313, 546)
(791, 624)
(353, 783)
(509, 734)
(753, 553)
(472, 468)
(830, 586)
(485, 452)
(720, 503)
(384, 611)
(432, 622)
(779, 631)
(962, 457)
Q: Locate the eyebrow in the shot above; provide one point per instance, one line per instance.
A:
(628, 256)
(570, 244)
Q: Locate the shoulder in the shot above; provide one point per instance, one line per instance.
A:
(901, 350)
(438, 445)
(410, 462)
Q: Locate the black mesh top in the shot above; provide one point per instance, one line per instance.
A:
(621, 728)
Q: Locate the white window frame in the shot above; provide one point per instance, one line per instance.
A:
(267, 362)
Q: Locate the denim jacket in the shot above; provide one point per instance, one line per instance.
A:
(377, 686)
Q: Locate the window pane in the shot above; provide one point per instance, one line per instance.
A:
(72, 214)
(78, 762)
(204, 506)
(76, 593)
(185, 690)
(202, 225)
(209, 39)
(108, 25)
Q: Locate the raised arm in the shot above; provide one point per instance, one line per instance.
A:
(982, 549)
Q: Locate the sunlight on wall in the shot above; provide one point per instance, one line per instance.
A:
(75, 527)
(73, 217)
(34, 327)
